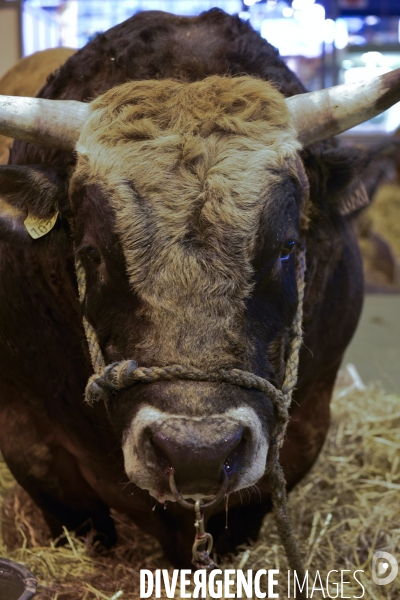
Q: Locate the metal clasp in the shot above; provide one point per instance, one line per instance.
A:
(200, 558)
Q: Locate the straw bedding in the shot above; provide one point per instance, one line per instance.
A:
(345, 510)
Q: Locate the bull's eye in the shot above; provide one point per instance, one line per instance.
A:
(287, 249)
(93, 254)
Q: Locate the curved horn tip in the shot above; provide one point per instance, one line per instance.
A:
(328, 112)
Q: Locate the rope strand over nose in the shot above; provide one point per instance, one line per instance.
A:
(108, 380)
(124, 374)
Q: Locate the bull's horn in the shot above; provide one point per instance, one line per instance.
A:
(319, 115)
(54, 123)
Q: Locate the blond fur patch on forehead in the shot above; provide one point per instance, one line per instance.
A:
(147, 109)
(188, 168)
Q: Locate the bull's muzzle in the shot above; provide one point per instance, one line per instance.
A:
(197, 450)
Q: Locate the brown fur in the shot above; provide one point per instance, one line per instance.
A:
(189, 162)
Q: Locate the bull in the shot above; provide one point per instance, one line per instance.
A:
(165, 188)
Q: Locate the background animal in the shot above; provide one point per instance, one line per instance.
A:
(186, 219)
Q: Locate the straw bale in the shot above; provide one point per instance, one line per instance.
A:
(345, 510)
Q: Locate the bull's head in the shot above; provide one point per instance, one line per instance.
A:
(187, 202)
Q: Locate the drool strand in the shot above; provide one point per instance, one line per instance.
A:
(226, 510)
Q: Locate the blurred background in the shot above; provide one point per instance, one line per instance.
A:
(325, 42)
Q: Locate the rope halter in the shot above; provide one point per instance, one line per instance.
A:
(108, 380)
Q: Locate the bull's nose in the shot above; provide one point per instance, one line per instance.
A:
(197, 465)
(197, 448)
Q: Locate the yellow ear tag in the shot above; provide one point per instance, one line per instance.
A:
(37, 227)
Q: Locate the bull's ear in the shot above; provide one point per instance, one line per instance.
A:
(39, 190)
(353, 199)
(343, 170)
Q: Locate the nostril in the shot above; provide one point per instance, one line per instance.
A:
(160, 444)
(235, 459)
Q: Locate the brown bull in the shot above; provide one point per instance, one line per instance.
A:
(185, 200)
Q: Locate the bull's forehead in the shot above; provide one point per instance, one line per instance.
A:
(186, 168)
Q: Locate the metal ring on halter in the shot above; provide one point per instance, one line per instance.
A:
(191, 506)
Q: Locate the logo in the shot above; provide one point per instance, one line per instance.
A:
(384, 568)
